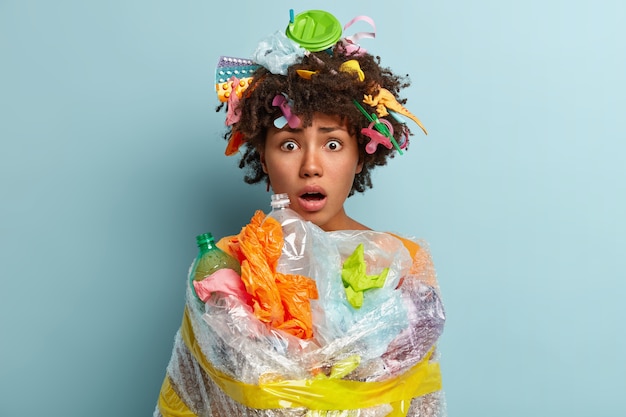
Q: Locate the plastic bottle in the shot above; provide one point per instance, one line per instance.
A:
(210, 258)
(295, 258)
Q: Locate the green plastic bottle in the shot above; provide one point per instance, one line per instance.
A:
(210, 258)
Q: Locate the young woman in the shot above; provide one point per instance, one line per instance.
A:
(356, 336)
(315, 166)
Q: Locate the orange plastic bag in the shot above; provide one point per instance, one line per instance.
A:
(281, 300)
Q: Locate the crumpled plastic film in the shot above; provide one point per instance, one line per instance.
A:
(356, 280)
(324, 393)
(227, 362)
(277, 53)
(281, 300)
(382, 315)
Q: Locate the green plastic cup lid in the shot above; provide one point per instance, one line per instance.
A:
(314, 30)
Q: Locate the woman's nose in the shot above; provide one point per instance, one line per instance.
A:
(311, 164)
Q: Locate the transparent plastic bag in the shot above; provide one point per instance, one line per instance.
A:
(277, 53)
(391, 335)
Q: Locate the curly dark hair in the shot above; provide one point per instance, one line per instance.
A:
(329, 91)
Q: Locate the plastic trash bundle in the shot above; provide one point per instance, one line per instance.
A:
(356, 338)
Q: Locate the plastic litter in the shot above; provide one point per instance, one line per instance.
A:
(238, 357)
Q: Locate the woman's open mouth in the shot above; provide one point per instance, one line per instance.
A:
(312, 201)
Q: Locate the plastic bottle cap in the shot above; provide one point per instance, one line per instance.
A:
(315, 30)
(204, 238)
(279, 200)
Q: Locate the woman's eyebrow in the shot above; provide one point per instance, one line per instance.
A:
(330, 129)
(324, 129)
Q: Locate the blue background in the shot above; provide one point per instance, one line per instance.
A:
(111, 161)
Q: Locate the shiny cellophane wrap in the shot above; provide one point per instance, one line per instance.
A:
(225, 362)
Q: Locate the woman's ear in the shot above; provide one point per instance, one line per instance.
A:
(359, 167)
(262, 158)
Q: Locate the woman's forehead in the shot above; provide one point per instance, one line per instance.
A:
(319, 121)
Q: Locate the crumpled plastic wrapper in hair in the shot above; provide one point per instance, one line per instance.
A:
(277, 53)
(397, 327)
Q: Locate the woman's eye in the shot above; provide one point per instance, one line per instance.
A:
(334, 145)
(289, 146)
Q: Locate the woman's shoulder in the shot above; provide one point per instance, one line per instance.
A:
(422, 266)
(411, 245)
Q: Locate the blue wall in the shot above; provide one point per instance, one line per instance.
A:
(111, 161)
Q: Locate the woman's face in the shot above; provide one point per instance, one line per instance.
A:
(315, 166)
